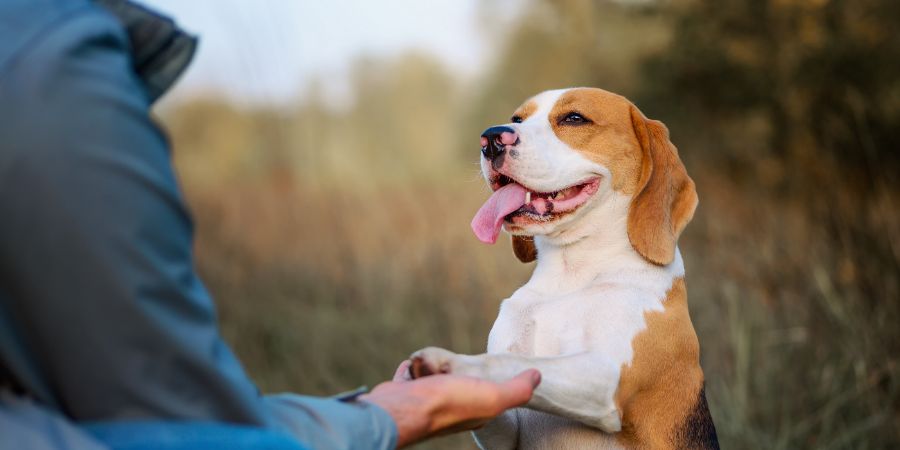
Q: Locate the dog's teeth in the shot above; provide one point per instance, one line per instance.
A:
(527, 197)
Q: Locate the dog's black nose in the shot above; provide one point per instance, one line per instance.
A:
(495, 139)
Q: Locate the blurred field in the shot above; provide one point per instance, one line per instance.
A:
(336, 241)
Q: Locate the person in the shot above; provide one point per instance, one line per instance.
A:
(103, 318)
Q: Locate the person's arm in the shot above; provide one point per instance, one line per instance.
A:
(101, 312)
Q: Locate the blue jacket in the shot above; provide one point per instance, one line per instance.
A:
(102, 316)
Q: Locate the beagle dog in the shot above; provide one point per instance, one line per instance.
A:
(596, 192)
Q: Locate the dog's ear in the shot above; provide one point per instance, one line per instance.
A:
(523, 247)
(665, 199)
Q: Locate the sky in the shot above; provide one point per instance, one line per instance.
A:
(267, 51)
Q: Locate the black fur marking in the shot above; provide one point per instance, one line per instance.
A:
(497, 161)
(698, 431)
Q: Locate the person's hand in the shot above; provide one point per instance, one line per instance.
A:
(443, 404)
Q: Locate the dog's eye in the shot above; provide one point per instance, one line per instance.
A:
(574, 118)
(516, 119)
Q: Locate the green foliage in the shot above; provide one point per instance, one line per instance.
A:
(824, 73)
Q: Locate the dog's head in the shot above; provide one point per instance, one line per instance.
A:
(567, 152)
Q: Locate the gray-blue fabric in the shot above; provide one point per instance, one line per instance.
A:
(102, 315)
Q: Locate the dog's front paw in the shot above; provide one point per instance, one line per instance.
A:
(431, 361)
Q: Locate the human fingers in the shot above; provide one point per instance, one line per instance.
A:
(469, 402)
(518, 390)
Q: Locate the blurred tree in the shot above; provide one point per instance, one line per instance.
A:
(402, 109)
(403, 119)
(824, 75)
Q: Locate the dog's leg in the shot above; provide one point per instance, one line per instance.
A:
(579, 386)
(502, 433)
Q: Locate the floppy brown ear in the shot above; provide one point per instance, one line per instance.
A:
(665, 198)
(523, 247)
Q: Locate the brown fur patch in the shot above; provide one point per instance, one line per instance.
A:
(523, 247)
(666, 197)
(526, 110)
(658, 392)
(607, 139)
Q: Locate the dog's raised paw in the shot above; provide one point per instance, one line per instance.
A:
(430, 361)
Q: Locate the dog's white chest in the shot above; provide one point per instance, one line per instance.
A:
(595, 325)
(603, 317)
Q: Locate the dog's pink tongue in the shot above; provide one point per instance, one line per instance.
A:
(489, 219)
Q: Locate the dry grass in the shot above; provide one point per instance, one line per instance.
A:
(322, 289)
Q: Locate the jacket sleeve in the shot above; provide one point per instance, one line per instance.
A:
(102, 314)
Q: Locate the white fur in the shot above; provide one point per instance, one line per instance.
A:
(576, 317)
